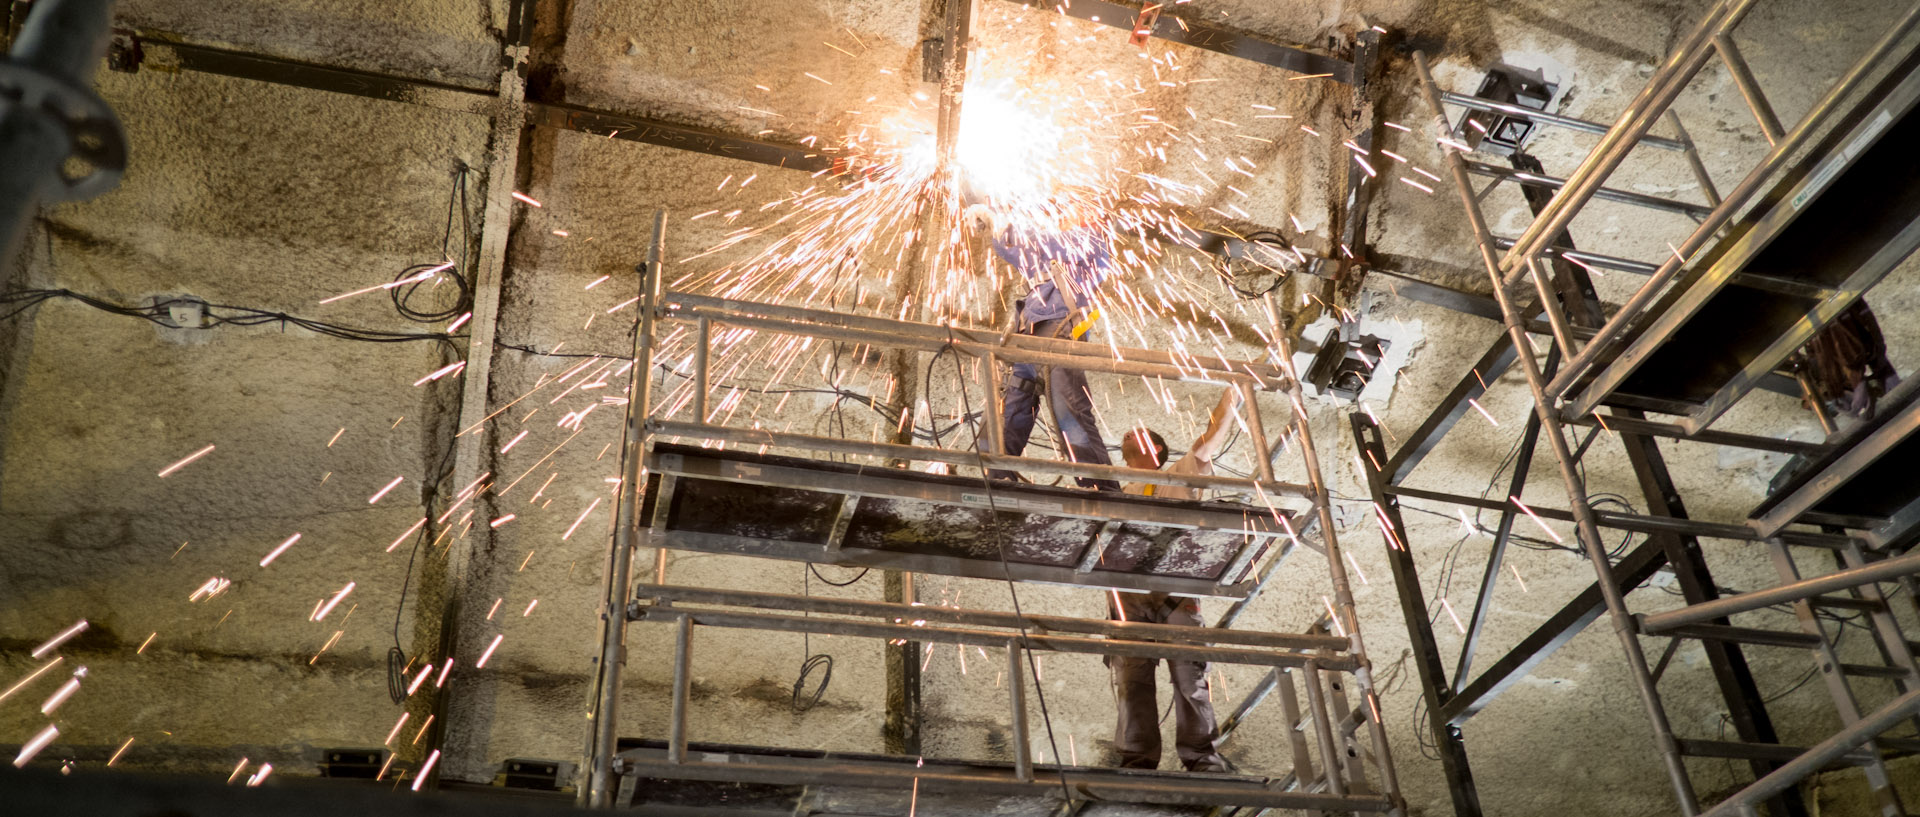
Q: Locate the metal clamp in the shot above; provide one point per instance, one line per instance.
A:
(96, 135)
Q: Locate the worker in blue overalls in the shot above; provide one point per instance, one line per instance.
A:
(1062, 268)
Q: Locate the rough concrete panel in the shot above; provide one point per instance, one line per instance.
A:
(280, 198)
(455, 43)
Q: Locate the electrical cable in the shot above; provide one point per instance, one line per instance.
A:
(463, 300)
(1006, 572)
(811, 662)
(216, 315)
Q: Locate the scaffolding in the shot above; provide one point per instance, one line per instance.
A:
(1713, 322)
(691, 497)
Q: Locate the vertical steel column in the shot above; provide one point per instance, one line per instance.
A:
(1586, 525)
(626, 532)
(682, 674)
(63, 40)
(1296, 740)
(1017, 691)
(1427, 662)
(990, 415)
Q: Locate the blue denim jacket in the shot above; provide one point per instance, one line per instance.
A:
(1082, 253)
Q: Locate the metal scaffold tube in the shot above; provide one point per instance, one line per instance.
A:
(1345, 622)
(626, 534)
(1633, 124)
(1735, 200)
(1587, 526)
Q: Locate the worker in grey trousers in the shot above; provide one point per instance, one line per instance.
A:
(1136, 735)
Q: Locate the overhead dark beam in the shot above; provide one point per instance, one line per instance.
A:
(1176, 29)
(165, 52)
(1429, 666)
(681, 137)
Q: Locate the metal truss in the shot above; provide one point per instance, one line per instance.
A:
(1589, 354)
(1352, 773)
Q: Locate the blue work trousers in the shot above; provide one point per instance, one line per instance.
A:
(1068, 400)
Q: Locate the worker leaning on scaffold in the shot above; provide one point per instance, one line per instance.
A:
(1136, 733)
(1062, 267)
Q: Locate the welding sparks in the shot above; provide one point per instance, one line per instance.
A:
(427, 767)
(383, 491)
(279, 550)
(1450, 614)
(321, 614)
(1535, 517)
(183, 463)
(22, 683)
(1483, 411)
(59, 638)
(403, 537)
(118, 752)
(261, 775)
(526, 198)
(489, 653)
(583, 517)
(34, 746)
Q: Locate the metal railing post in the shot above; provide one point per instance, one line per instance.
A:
(682, 674)
(1345, 621)
(626, 532)
(1330, 762)
(702, 336)
(1017, 691)
(1587, 526)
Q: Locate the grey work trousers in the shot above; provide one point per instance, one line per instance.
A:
(1136, 735)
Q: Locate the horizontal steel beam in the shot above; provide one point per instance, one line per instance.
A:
(1671, 431)
(1568, 122)
(1185, 31)
(1639, 523)
(915, 453)
(1169, 633)
(896, 483)
(165, 52)
(1049, 781)
(1010, 347)
(988, 638)
(629, 128)
(1697, 211)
